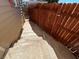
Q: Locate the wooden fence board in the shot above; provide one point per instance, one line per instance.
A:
(61, 21)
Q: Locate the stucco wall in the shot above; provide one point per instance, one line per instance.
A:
(10, 25)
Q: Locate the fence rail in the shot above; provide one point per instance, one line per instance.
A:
(59, 20)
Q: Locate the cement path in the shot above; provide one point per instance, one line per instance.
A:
(36, 44)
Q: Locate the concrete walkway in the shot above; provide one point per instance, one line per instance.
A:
(36, 44)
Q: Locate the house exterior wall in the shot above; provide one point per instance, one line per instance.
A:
(10, 25)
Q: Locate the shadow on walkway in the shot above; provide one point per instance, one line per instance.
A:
(61, 51)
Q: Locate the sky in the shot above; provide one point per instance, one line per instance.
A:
(65, 1)
(25, 0)
(69, 1)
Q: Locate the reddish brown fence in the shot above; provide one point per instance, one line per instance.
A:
(59, 20)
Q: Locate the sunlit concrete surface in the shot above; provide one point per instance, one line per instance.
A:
(36, 44)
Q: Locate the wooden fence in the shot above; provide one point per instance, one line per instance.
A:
(59, 20)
